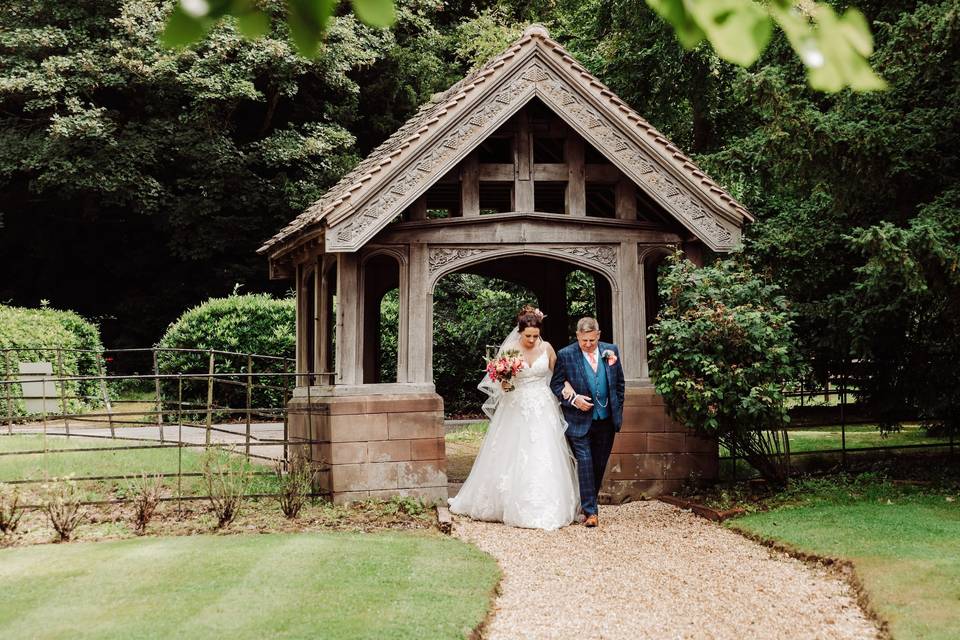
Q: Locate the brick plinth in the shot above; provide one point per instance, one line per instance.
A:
(653, 454)
(373, 446)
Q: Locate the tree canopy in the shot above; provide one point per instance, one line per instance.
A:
(138, 180)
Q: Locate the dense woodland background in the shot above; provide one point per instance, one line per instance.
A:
(138, 181)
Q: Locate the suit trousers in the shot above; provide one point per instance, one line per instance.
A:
(592, 451)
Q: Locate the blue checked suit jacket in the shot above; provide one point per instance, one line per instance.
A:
(570, 367)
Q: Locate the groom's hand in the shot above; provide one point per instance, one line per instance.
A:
(581, 402)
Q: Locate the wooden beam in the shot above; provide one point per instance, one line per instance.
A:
(470, 186)
(576, 204)
(523, 161)
(626, 199)
(496, 172)
(606, 173)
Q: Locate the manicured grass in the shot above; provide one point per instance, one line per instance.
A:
(319, 585)
(904, 543)
(858, 437)
(129, 463)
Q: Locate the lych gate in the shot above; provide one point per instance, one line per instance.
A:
(527, 169)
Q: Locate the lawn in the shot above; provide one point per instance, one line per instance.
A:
(463, 445)
(323, 585)
(903, 542)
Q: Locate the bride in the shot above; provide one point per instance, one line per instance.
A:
(524, 475)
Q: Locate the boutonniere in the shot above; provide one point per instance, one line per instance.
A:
(609, 356)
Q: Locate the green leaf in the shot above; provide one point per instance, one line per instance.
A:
(376, 13)
(739, 30)
(254, 24)
(673, 11)
(857, 32)
(308, 22)
(183, 29)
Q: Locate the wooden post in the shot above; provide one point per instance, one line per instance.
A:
(626, 199)
(420, 317)
(470, 186)
(106, 397)
(349, 342)
(249, 400)
(209, 400)
(632, 310)
(576, 181)
(159, 401)
(523, 169)
(418, 210)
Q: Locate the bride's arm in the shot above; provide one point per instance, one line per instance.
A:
(568, 391)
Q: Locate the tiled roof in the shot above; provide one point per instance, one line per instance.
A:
(336, 203)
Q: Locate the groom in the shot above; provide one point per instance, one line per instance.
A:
(595, 413)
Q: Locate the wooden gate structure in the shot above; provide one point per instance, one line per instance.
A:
(527, 169)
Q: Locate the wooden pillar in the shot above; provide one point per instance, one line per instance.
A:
(644, 270)
(419, 317)
(576, 204)
(299, 323)
(324, 308)
(626, 199)
(523, 165)
(349, 318)
(470, 186)
(632, 342)
(418, 210)
(604, 302)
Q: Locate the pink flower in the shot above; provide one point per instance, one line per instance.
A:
(610, 357)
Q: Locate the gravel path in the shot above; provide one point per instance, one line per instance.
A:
(654, 571)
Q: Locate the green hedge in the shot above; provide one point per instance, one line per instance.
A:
(43, 331)
(254, 324)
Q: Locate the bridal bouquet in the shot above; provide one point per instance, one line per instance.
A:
(504, 367)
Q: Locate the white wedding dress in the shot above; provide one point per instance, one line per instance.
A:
(524, 475)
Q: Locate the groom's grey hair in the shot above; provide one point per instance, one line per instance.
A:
(585, 325)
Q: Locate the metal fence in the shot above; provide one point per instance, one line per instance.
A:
(833, 403)
(161, 418)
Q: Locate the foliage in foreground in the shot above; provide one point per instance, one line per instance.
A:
(226, 477)
(10, 508)
(720, 354)
(61, 502)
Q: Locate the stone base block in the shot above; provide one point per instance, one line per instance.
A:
(375, 446)
(653, 454)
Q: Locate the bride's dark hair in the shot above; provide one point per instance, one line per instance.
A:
(529, 316)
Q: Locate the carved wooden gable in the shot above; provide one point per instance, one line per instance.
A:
(452, 125)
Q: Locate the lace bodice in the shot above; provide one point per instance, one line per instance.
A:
(539, 371)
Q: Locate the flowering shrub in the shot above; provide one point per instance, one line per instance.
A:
(720, 353)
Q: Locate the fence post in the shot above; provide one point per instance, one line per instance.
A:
(249, 400)
(101, 372)
(9, 386)
(210, 399)
(179, 443)
(843, 415)
(63, 392)
(286, 417)
(158, 391)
